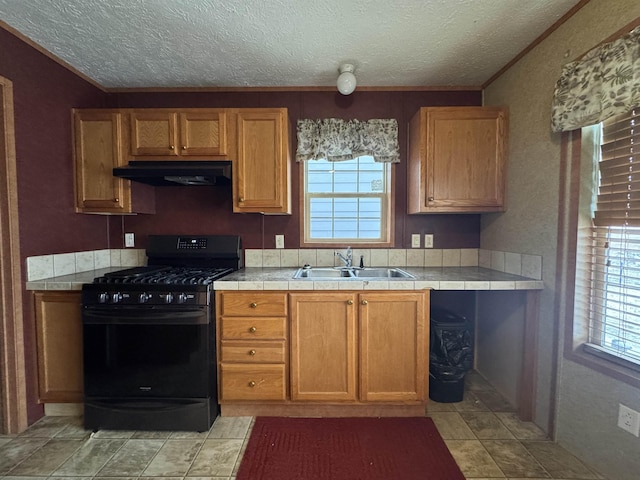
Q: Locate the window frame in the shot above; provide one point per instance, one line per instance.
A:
(388, 230)
(576, 190)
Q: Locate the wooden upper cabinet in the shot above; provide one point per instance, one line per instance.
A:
(457, 158)
(261, 175)
(192, 134)
(98, 148)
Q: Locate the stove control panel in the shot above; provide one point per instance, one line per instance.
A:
(192, 243)
(161, 297)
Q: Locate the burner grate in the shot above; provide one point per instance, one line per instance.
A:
(166, 276)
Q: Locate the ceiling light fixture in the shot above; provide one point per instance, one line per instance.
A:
(346, 80)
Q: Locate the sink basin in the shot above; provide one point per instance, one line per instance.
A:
(323, 273)
(382, 273)
(353, 273)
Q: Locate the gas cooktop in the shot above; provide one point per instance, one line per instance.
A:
(164, 275)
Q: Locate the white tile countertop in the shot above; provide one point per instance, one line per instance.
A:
(436, 278)
(275, 278)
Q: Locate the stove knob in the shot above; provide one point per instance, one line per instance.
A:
(103, 297)
(181, 298)
(168, 298)
(116, 297)
(143, 297)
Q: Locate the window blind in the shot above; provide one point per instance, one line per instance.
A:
(614, 254)
(615, 291)
(619, 189)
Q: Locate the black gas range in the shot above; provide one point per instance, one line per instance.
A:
(149, 336)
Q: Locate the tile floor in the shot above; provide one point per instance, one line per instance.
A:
(482, 432)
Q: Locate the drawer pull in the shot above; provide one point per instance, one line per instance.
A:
(252, 384)
(253, 305)
(364, 302)
(252, 352)
(349, 302)
(252, 329)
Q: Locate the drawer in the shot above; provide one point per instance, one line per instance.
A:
(252, 352)
(252, 382)
(253, 304)
(263, 328)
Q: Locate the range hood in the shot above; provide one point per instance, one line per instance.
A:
(182, 173)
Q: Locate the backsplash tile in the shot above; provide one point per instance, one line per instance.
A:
(48, 266)
(85, 261)
(380, 257)
(398, 257)
(39, 267)
(433, 257)
(451, 258)
(530, 266)
(64, 264)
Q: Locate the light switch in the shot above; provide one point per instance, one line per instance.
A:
(415, 240)
(279, 241)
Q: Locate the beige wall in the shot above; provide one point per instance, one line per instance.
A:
(587, 402)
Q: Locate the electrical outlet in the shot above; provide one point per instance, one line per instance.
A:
(629, 420)
(279, 241)
(415, 240)
(129, 240)
(428, 240)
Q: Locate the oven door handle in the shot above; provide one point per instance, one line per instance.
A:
(144, 317)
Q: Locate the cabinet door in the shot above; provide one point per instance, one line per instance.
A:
(262, 168)
(153, 133)
(98, 148)
(203, 133)
(393, 346)
(59, 338)
(457, 159)
(323, 347)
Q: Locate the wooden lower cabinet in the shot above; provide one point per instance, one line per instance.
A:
(252, 333)
(252, 382)
(59, 339)
(394, 347)
(323, 346)
(376, 340)
(323, 353)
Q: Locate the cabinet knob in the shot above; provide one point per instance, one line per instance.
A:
(252, 352)
(241, 199)
(184, 147)
(171, 147)
(252, 384)
(349, 302)
(430, 199)
(253, 305)
(252, 329)
(116, 200)
(364, 302)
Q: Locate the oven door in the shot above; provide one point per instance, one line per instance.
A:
(139, 352)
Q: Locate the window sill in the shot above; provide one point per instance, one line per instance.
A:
(606, 364)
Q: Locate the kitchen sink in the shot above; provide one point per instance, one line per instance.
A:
(350, 273)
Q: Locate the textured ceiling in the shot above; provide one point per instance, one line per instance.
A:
(284, 43)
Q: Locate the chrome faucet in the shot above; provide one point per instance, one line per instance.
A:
(347, 258)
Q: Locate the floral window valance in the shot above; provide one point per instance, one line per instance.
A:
(338, 140)
(605, 82)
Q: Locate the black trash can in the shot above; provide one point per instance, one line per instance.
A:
(450, 355)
